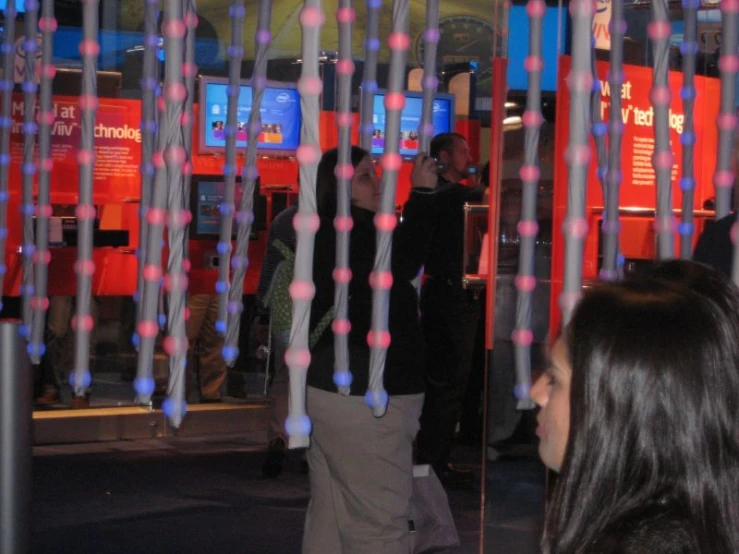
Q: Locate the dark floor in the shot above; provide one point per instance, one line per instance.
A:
(185, 495)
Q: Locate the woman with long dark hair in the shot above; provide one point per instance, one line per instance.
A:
(361, 467)
(640, 418)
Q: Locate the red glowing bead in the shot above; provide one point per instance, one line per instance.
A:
(399, 41)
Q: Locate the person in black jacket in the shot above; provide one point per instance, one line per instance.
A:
(638, 416)
(714, 246)
(361, 467)
(449, 313)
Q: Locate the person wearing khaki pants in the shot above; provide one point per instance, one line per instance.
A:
(207, 367)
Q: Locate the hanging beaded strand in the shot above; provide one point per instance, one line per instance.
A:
(42, 256)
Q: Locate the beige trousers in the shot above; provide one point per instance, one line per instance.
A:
(206, 345)
(361, 474)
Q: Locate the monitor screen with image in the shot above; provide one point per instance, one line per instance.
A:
(280, 113)
(208, 192)
(442, 117)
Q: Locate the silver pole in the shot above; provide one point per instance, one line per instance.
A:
(15, 441)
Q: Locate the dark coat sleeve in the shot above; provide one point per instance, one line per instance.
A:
(413, 235)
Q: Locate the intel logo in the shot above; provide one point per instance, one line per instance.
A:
(282, 97)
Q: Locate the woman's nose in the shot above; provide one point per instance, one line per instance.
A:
(538, 392)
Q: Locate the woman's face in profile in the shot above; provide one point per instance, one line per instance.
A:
(366, 186)
(551, 392)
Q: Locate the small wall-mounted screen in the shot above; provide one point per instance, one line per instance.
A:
(442, 117)
(208, 192)
(280, 114)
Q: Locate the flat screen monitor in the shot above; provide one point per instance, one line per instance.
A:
(280, 113)
(207, 193)
(410, 118)
(518, 46)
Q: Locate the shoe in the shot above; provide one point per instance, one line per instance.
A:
(454, 478)
(276, 452)
(49, 398)
(80, 403)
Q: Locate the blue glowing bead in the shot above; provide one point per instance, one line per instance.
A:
(172, 408)
(162, 320)
(4, 159)
(226, 208)
(29, 168)
(144, 386)
(23, 331)
(236, 11)
(223, 247)
(601, 172)
(689, 47)
(230, 352)
(298, 425)
(596, 82)
(3, 232)
(3, 269)
(6, 123)
(7, 48)
(82, 380)
(1, 305)
(374, 4)
(600, 129)
(221, 326)
(372, 44)
(235, 51)
(375, 399)
(36, 349)
(343, 379)
(29, 87)
(29, 249)
(620, 260)
(151, 40)
(221, 287)
(229, 169)
(687, 138)
(30, 128)
(688, 93)
(28, 209)
(685, 229)
(687, 184)
(521, 390)
(135, 340)
(28, 290)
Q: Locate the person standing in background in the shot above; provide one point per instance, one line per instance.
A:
(276, 320)
(449, 313)
(206, 345)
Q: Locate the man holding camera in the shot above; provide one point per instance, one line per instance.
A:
(449, 313)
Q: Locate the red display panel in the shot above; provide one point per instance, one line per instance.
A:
(638, 188)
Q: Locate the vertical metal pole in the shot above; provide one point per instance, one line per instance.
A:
(15, 441)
